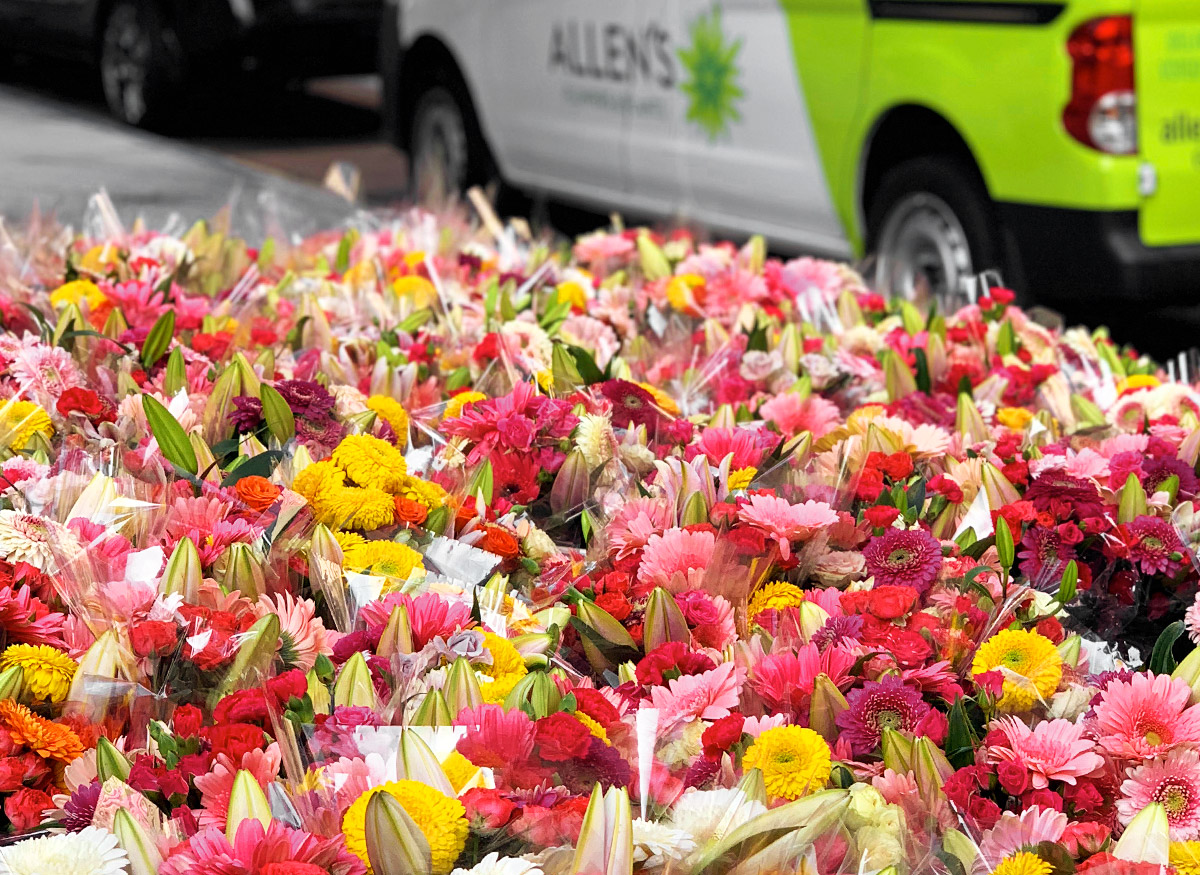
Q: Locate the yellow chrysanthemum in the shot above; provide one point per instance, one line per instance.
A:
(592, 726)
(20, 421)
(459, 770)
(47, 672)
(442, 821)
(1015, 418)
(371, 462)
(386, 558)
(348, 540)
(422, 292)
(78, 292)
(1030, 663)
(318, 479)
(1137, 381)
(393, 413)
(1185, 858)
(664, 401)
(1023, 863)
(352, 507)
(414, 258)
(102, 258)
(776, 595)
(506, 670)
(429, 494)
(454, 407)
(742, 478)
(794, 760)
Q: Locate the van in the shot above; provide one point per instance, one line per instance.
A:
(1055, 140)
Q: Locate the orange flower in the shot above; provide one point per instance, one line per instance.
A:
(501, 543)
(45, 738)
(410, 511)
(257, 493)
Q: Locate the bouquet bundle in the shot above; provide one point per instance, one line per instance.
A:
(411, 548)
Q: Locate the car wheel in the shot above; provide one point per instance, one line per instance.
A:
(138, 65)
(931, 226)
(443, 158)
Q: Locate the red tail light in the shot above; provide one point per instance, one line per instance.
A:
(1103, 108)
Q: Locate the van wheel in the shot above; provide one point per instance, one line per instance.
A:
(139, 65)
(931, 226)
(447, 154)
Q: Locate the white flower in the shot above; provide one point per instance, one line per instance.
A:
(709, 815)
(494, 864)
(28, 538)
(656, 844)
(90, 851)
(594, 437)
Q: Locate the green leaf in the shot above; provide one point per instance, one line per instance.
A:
(978, 548)
(88, 332)
(923, 381)
(588, 369)
(757, 339)
(1162, 658)
(280, 421)
(481, 482)
(266, 254)
(459, 378)
(415, 321)
(1006, 341)
(172, 439)
(158, 339)
(562, 365)
(176, 377)
(343, 252)
(261, 465)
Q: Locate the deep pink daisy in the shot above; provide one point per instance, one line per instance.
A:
(1153, 545)
(1174, 782)
(888, 704)
(904, 557)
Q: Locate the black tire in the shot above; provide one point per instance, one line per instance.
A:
(931, 219)
(140, 65)
(446, 148)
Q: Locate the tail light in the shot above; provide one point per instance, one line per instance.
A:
(1102, 113)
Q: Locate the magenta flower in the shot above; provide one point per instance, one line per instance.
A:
(1154, 546)
(901, 557)
(887, 704)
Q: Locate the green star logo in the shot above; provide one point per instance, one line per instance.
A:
(712, 73)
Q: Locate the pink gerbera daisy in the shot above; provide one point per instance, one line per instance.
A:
(301, 631)
(1174, 782)
(635, 522)
(1055, 750)
(677, 559)
(793, 414)
(887, 704)
(786, 522)
(744, 445)
(1146, 716)
(495, 738)
(256, 850)
(784, 680)
(904, 557)
(1033, 826)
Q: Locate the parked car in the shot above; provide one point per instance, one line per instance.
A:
(1057, 140)
(148, 51)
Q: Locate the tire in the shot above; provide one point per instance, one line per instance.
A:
(140, 66)
(931, 225)
(447, 152)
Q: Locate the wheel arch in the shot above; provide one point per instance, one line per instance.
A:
(900, 133)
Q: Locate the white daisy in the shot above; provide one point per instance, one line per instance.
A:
(657, 844)
(494, 864)
(90, 851)
(709, 815)
(25, 537)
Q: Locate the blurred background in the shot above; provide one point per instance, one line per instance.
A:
(299, 113)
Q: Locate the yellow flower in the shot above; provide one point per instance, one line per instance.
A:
(1023, 863)
(742, 477)
(421, 290)
(506, 670)
(776, 595)
(47, 672)
(592, 726)
(429, 494)
(664, 401)
(442, 821)
(679, 290)
(347, 540)
(572, 293)
(102, 258)
(1185, 858)
(386, 558)
(1030, 663)
(393, 413)
(339, 506)
(860, 418)
(318, 479)
(371, 462)
(1137, 381)
(1015, 418)
(77, 292)
(459, 770)
(414, 259)
(454, 407)
(21, 420)
(795, 761)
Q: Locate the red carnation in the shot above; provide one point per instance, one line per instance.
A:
(233, 739)
(26, 807)
(615, 604)
(723, 734)
(187, 721)
(153, 636)
(560, 737)
(881, 516)
(84, 401)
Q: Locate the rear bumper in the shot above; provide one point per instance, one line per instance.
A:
(1069, 256)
